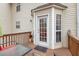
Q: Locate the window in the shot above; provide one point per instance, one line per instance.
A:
(43, 28)
(17, 24)
(58, 28)
(18, 7)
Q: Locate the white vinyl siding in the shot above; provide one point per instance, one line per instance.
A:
(24, 16)
(68, 22)
(5, 18)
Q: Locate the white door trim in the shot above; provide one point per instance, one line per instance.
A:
(38, 43)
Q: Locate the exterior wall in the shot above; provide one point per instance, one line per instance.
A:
(24, 16)
(68, 22)
(5, 17)
(9, 24)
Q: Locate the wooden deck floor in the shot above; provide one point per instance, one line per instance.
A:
(31, 53)
(50, 52)
(62, 52)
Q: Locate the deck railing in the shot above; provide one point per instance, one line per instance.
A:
(15, 38)
(73, 44)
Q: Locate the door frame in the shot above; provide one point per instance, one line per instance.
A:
(37, 25)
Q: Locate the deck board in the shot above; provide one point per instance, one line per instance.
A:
(62, 52)
(50, 52)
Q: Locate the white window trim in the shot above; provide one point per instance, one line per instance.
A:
(18, 4)
(58, 30)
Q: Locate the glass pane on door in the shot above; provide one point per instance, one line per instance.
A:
(43, 29)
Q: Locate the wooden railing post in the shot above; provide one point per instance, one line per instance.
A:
(68, 33)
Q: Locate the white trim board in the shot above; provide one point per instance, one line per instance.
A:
(78, 19)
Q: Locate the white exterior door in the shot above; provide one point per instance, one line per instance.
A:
(42, 30)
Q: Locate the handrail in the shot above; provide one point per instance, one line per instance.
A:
(15, 38)
(76, 39)
(17, 33)
(73, 44)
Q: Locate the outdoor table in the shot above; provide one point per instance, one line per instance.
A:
(18, 50)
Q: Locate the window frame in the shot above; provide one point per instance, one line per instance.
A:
(58, 30)
(18, 7)
(18, 25)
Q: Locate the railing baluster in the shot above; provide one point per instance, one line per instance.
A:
(14, 40)
(11, 40)
(3, 42)
(22, 39)
(17, 38)
(0, 41)
(6, 41)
